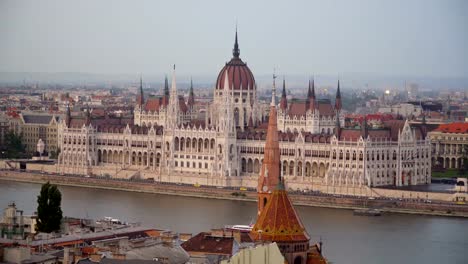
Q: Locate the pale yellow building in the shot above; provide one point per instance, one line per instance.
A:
(261, 254)
(34, 126)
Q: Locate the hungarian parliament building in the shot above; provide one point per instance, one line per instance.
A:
(174, 139)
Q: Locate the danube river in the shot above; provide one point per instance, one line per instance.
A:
(347, 239)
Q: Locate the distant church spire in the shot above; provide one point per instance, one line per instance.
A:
(284, 100)
(236, 51)
(338, 98)
(191, 99)
(140, 98)
(273, 90)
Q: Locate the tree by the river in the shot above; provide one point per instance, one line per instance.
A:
(49, 211)
(14, 147)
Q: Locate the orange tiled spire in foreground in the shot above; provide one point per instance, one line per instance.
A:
(277, 220)
(270, 171)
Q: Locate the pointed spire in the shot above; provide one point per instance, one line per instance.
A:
(313, 88)
(236, 51)
(140, 97)
(284, 100)
(273, 90)
(191, 99)
(312, 100)
(166, 86)
(309, 92)
(173, 84)
(338, 98)
(68, 116)
(165, 98)
(270, 172)
(88, 116)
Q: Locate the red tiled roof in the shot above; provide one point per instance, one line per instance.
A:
(456, 128)
(153, 104)
(299, 108)
(205, 243)
(395, 126)
(240, 76)
(182, 106)
(326, 109)
(278, 221)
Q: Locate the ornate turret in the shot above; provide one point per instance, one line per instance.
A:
(191, 98)
(68, 116)
(284, 100)
(338, 98)
(173, 107)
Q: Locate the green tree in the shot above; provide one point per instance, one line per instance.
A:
(54, 154)
(14, 146)
(49, 212)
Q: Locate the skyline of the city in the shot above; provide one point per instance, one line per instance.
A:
(384, 38)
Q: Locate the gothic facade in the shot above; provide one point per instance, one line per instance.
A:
(166, 139)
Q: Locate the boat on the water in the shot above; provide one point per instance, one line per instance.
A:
(241, 228)
(368, 212)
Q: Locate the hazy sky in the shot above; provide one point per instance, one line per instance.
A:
(407, 37)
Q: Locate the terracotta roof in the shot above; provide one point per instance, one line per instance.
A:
(182, 106)
(205, 243)
(240, 76)
(297, 108)
(314, 256)
(395, 126)
(278, 221)
(300, 107)
(153, 104)
(100, 122)
(456, 128)
(326, 108)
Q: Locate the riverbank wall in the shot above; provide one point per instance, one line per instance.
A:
(292, 184)
(323, 200)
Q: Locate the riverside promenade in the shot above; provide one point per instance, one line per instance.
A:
(317, 199)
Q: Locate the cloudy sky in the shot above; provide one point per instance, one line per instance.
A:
(407, 37)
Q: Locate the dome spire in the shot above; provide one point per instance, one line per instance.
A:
(236, 51)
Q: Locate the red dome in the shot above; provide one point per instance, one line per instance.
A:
(240, 76)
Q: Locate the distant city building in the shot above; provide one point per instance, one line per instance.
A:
(449, 145)
(4, 128)
(406, 110)
(172, 139)
(35, 126)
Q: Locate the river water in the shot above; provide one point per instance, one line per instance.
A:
(347, 239)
